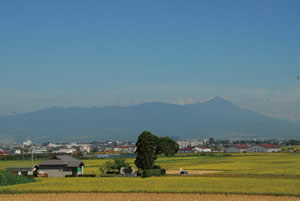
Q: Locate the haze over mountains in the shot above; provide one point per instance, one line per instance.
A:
(218, 118)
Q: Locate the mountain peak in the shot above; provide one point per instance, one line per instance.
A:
(220, 101)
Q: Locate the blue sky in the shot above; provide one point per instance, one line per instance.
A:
(97, 53)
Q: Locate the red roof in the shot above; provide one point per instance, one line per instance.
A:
(241, 146)
(269, 146)
(186, 149)
(202, 147)
(3, 153)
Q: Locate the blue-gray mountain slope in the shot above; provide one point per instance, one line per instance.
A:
(217, 118)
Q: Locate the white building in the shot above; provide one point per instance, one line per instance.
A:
(201, 148)
(27, 143)
(189, 143)
(263, 148)
(241, 148)
(65, 151)
(125, 148)
(51, 145)
(85, 148)
(18, 151)
(187, 150)
(39, 151)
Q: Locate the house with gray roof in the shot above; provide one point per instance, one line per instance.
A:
(61, 166)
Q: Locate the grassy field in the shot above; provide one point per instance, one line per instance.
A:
(273, 173)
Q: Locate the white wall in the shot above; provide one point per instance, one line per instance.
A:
(202, 150)
(55, 172)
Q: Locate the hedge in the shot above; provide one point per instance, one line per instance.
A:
(153, 172)
(11, 179)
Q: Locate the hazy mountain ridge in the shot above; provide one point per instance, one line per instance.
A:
(217, 117)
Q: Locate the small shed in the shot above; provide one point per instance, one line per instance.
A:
(61, 166)
(25, 171)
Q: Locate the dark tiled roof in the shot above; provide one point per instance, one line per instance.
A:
(63, 160)
(54, 162)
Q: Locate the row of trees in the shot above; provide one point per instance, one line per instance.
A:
(149, 146)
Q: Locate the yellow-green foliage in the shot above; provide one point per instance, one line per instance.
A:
(290, 148)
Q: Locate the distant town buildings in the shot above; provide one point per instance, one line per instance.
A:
(85, 148)
(189, 143)
(65, 151)
(124, 148)
(110, 149)
(39, 151)
(244, 148)
(27, 143)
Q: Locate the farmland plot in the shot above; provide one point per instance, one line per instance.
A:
(140, 197)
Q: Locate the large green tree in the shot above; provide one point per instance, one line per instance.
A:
(147, 144)
(167, 146)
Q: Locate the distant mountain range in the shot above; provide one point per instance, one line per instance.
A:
(217, 118)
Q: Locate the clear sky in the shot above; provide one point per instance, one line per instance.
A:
(97, 53)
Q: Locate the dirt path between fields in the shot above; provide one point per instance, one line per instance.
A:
(194, 172)
(141, 197)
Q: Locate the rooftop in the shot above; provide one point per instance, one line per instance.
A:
(269, 146)
(62, 160)
(241, 146)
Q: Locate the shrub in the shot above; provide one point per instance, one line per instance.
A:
(113, 167)
(151, 172)
(163, 171)
(87, 175)
(11, 179)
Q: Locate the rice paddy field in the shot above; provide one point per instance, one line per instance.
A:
(249, 174)
(141, 197)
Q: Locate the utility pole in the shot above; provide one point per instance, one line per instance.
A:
(32, 147)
